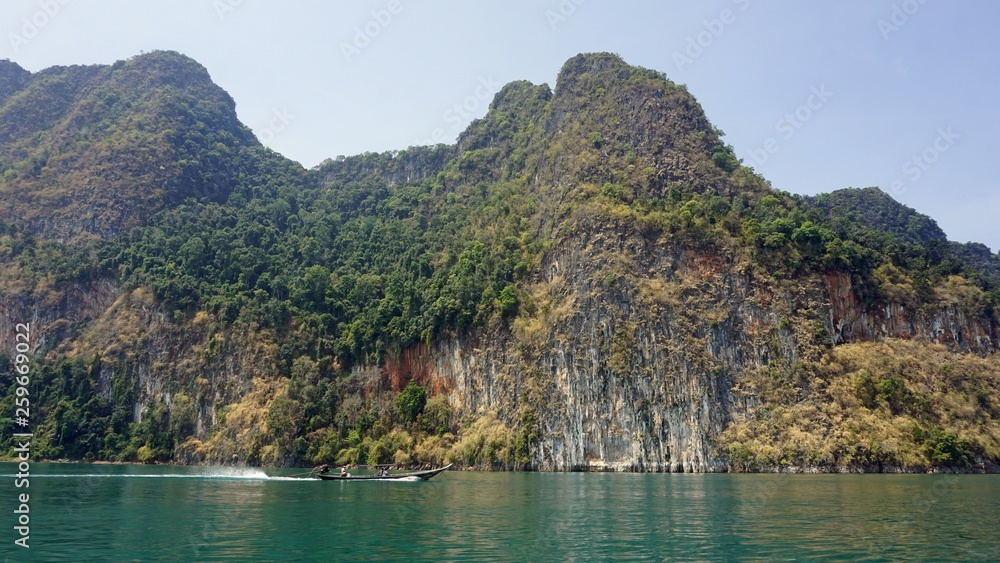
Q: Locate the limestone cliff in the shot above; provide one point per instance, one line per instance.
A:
(97, 150)
(587, 280)
(636, 372)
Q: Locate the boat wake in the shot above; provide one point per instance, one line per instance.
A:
(235, 474)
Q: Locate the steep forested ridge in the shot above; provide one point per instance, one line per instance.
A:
(589, 278)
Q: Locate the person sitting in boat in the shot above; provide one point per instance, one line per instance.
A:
(324, 469)
(343, 471)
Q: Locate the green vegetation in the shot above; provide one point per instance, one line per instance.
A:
(411, 401)
(317, 275)
(356, 270)
(895, 404)
(150, 131)
(874, 209)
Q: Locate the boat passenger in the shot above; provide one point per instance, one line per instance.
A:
(343, 471)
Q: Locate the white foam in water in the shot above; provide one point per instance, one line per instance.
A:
(235, 473)
(224, 473)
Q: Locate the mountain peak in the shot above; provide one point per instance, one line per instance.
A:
(100, 148)
(12, 78)
(166, 67)
(593, 257)
(595, 63)
(636, 119)
(600, 69)
(877, 210)
(8, 67)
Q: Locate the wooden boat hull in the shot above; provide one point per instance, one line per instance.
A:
(422, 475)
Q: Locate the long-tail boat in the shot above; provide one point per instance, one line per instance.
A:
(324, 473)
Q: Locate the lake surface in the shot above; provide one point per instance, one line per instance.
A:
(82, 512)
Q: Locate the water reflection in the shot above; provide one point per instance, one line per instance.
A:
(509, 517)
(872, 517)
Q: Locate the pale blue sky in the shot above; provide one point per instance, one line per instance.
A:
(921, 84)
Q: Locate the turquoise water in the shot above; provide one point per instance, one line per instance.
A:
(82, 512)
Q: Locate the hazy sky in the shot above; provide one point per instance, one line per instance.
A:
(817, 96)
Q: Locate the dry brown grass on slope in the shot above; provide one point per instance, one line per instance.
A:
(895, 403)
(244, 434)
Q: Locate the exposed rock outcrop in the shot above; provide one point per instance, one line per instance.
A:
(636, 373)
(593, 259)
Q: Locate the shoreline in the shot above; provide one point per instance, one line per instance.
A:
(980, 469)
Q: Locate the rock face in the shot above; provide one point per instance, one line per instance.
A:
(631, 342)
(636, 373)
(948, 324)
(54, 315)
(12, 79)
(98, 150)
(630, 373)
